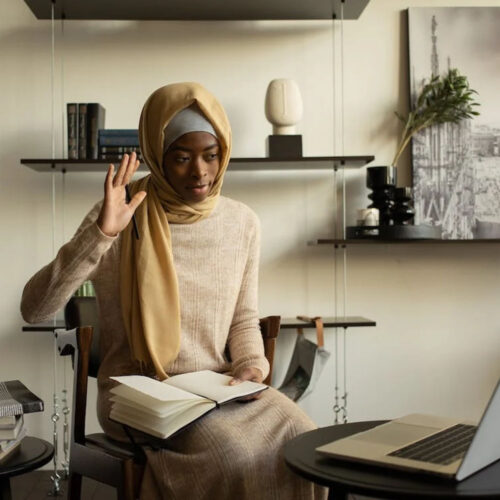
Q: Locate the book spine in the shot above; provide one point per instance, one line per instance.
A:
(7, 421)
(72, 124)
(82, 131)
(109, 132)
(119, 141)
(114, 156)
(96, 115)
(119, 149)
(16, 399)
(114, 149)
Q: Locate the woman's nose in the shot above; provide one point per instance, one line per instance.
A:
(198, 168)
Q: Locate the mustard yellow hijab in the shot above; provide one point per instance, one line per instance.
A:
(149, 289)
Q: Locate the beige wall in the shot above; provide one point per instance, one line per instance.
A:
(436, 346)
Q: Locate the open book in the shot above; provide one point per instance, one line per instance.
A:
(161, 409)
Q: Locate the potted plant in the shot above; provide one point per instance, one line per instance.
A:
(443, 99)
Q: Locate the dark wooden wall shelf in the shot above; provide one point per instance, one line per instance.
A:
(44, 327)
(236, 164)
(190, 10)
(329, 322)
(366, 241)
(286, 323)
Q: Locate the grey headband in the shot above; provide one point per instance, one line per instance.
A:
(190, 119)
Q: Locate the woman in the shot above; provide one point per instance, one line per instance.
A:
(171, 301)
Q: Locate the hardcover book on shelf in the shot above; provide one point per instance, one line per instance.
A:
(119, 137)
(82, 131)
(162, 409)
(16, 399)
(8, 422)
(96, 115)
(8, 447)
(12, 432)
(72, 125)
(113, 152)
(119, 132)
(118, 149)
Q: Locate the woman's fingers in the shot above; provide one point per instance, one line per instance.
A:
(137, 200)
(108, 183)
(132, 166)
(120, 175)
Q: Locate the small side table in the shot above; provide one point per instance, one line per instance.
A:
(31, 454)
(344, 477)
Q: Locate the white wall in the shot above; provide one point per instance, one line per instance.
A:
(436, 346)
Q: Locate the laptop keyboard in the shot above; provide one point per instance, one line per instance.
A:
(442, 448)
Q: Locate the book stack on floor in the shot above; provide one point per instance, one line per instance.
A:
(114, 143)
(15, 401)
(84, 121)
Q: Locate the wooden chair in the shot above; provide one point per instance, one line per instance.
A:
(97, 456)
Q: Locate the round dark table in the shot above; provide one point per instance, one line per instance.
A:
(31, 454)
(343, 477)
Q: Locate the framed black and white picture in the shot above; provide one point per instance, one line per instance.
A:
(456, 168)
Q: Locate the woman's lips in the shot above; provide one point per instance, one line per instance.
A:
(198, 190)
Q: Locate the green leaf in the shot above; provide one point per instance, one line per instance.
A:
(443, 99)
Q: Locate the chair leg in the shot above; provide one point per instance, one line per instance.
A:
(74, 486)
(126, 489)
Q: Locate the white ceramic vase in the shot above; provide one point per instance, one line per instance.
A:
(283, 105)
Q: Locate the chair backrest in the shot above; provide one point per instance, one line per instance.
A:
(82, 311)
(270, 327)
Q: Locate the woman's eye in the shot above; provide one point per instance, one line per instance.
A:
(212, 156)
(182, 159)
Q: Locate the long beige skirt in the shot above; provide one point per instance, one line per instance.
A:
(233, 453)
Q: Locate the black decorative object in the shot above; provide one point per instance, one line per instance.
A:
(403, 212)
(284, 147)
(382, 182)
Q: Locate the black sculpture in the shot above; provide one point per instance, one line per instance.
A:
(382, 182)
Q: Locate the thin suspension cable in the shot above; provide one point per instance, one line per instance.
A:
(336, 406)
(342, 128)
(344, 250)
(55, 415)
(53, 152)
(63, 108)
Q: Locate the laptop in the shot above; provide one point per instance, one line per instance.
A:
(445, 447)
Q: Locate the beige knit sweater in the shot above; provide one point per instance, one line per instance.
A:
(236, 451)
(216, 260)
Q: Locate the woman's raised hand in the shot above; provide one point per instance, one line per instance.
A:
(116, 213)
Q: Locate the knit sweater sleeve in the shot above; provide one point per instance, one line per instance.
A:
(245, 340)
(51, 287)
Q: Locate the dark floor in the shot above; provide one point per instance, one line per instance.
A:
(37, 486)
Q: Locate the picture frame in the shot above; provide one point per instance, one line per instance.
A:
(456, 167)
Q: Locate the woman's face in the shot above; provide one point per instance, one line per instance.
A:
(191, 164)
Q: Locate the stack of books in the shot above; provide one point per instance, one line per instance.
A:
(114, 143)
(84, 121)
(15, 401)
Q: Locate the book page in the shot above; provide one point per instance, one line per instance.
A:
(166, 409)
(213, 385)
(161, 427)
(149, 392)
